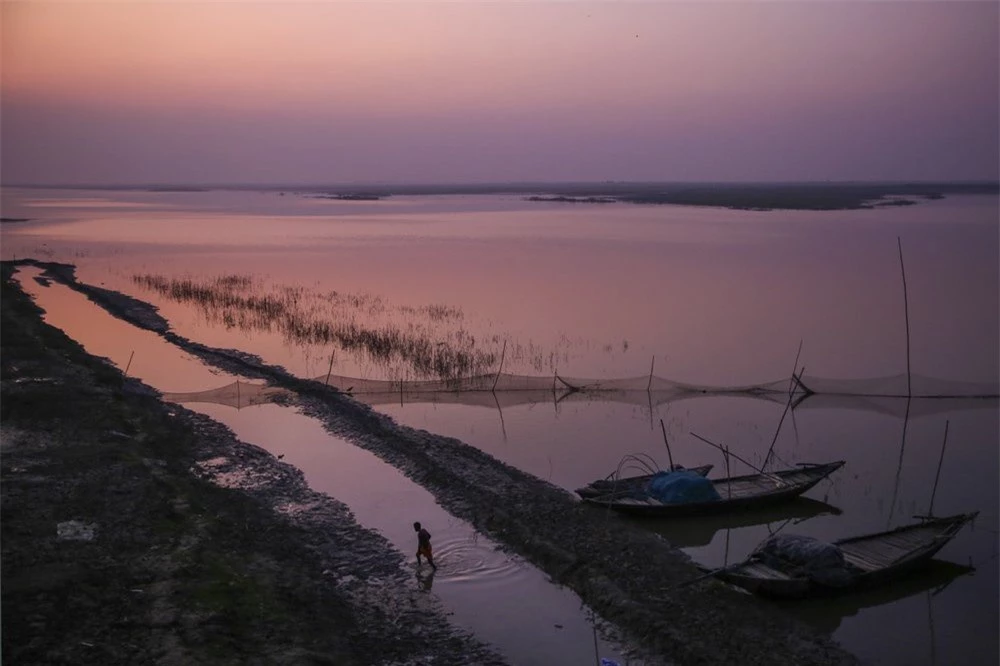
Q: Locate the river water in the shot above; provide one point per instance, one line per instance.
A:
(703, 296)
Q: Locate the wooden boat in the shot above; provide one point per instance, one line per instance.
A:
(737, 492)
(628, 484)
(870, 560)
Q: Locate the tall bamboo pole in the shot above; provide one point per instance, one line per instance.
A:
(906, 314)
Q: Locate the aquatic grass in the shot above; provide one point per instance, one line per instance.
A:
(302, 317)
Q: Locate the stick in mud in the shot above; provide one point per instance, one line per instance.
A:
(329, 370)
(129, 364)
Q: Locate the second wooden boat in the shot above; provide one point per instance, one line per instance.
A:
(867, 561)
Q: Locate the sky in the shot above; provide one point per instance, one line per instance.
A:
(381, 92)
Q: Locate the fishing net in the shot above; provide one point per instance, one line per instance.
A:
(920, 386)
(508, 390)
(887, 395)
(237, 394)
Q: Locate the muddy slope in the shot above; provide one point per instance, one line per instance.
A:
(628, 575)
(119, 546)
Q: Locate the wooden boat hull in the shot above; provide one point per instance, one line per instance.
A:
(737, 493)
(880, 557)
(606, 486)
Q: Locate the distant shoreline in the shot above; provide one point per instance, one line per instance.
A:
(739, 196)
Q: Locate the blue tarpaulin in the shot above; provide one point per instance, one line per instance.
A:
(681, 487)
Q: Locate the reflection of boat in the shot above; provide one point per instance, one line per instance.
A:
(869, 560)
(735, 493)
(827, 613)
(694, 531)
(628, 484)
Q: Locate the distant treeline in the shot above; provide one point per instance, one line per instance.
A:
(744, 196)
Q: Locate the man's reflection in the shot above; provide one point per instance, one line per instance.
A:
(425, 579)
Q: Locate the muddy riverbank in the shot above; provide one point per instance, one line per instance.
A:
(120, 546)
(604, 560)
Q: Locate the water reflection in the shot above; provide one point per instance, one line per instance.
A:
(425, 578)
(695, 531)
(828, 613)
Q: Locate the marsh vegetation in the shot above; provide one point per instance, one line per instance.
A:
(416, 342)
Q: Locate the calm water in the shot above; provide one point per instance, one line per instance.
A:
(703, 295)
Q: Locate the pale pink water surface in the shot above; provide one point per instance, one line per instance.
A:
(704, 295)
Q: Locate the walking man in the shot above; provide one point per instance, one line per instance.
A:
(424, 545)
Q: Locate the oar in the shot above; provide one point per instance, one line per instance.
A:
(710, 574)
(774, 478)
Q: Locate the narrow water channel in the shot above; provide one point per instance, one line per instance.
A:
(502, 599)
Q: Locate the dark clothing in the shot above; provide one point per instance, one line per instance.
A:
(424, 547)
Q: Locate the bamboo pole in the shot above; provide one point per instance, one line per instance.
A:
(652, 364)
(729, 491)
(670, 456)
(503, 354)
(906, 314)
(899, 465)
(742, 460)
(129, 364)
(930, 510)
(788, 405)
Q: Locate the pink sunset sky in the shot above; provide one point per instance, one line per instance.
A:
(341, 92)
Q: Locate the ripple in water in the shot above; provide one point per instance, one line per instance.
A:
(472, 561)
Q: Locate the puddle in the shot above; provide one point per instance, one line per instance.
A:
(503, 599)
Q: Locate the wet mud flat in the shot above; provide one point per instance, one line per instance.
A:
(630, 576)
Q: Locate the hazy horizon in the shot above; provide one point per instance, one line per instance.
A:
(350, 94)
(490, 184)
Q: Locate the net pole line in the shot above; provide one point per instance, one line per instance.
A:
(670, 456)
(930, 509)
(906, 315)
(746, 462)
